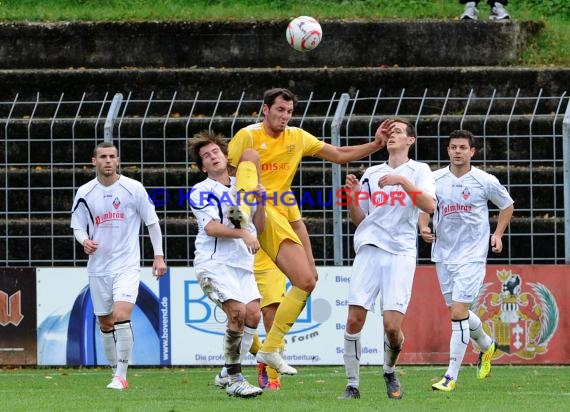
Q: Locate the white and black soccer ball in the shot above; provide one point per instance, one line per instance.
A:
(304, 33)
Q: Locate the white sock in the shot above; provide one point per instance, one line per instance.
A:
(477, 333)
(457, 346)
(110, 348)
(352, 354)
(391, 355)
(246, 341)
(124, 336)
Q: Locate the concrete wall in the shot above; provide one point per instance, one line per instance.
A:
(262, 44)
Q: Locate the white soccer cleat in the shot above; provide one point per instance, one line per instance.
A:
(275, 360)
(243, 389)
(118, 383)
(498, 13)
(470, 12)
(221, 381)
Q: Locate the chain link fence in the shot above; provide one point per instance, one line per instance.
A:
(46, 147)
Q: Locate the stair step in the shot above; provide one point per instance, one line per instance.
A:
(240, 44)
(455, 83)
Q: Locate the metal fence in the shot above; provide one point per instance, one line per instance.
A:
(46, 148)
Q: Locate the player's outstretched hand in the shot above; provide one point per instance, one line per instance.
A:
(383, 133)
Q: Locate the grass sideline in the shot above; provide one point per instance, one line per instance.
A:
(315, 388)
(551, 48)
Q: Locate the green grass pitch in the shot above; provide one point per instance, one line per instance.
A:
(509, 388)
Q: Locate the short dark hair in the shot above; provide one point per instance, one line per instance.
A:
(270, 95)
(104, 145)
(204, 138)
(410, 129)
(462, 134)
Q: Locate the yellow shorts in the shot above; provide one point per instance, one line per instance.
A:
(277, 229)
(271, 284)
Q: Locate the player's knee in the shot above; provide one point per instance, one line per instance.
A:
(236, 323)
(236, 317)
(392, 333)
(307, 283)
(253, 317)
(354, 324)
(106, 323)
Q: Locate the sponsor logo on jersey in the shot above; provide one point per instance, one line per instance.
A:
(275, 166)
(109, 216)
(455, 208)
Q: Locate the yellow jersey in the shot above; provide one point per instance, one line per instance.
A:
(279, 159)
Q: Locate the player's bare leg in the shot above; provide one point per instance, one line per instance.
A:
(393, 343)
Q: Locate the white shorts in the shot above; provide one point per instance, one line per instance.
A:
(107, 289)
(460, 282)
(221, 282)
(376, 271)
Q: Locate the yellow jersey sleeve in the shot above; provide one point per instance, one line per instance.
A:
(311, 145)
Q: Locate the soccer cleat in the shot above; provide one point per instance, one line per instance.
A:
(498, 13)
(393, 386)
(275, 360)
(446, 384)
(262, 378)
(273, 385)
(350, 393)
(484, 362)
(221, 381)
(238, 217)
(243, 389)
(118, 383)
(470, 12)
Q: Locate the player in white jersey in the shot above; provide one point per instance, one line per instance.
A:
(106, 220)
(460, 243)
(224, 256)
(384, 206)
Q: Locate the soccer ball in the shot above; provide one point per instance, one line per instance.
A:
(304, 33)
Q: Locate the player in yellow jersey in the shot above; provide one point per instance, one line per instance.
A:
(277, 150)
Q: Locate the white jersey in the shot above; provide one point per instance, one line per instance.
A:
(210, 200)
(391, 215)
(112, 215)
(461, 219)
